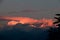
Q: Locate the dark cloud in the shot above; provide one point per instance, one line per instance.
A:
(1, 19)
(22, 32)
(29, 11)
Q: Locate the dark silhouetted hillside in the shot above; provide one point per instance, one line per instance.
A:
(23, 32)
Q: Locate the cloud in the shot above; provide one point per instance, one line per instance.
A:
(39, 23)
(23, 31)
(29, 11)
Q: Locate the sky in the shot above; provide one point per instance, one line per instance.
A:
(39, 8)
(29, 8)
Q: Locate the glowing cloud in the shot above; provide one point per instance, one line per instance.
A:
(12, 23)
(26, 20)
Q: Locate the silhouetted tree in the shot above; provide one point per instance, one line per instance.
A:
(58, 19)
(58, 22)
(54, 33)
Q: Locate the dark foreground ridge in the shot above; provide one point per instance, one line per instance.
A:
(23, 32)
